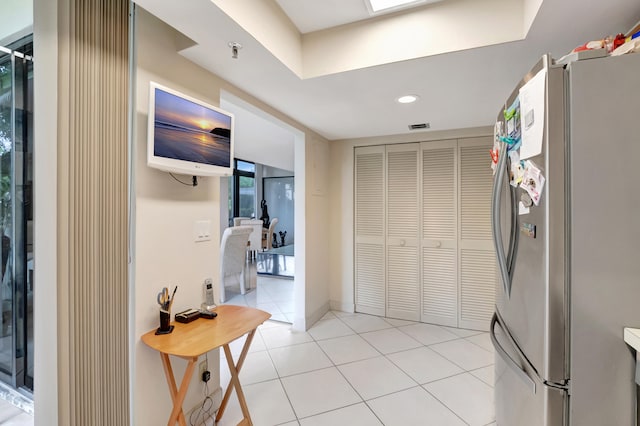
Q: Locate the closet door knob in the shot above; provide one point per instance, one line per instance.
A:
(438, 244)
(402, 243)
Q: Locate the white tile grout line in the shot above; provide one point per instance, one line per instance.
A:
(363, 400)
(418, 385)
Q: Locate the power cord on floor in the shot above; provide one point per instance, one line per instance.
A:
(205, 412)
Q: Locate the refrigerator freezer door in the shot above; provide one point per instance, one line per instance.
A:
(522, 399)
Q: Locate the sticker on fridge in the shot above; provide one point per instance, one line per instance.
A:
(516, 169)
(522, 209)
(495, 151)
(532, 181)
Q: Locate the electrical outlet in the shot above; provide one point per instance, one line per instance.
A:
(203, 367)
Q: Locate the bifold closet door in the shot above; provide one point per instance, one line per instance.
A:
(439, 261)
(370, 204)
(477, 273)
(403, 282)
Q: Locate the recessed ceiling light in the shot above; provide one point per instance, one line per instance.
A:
(407, 99)
(378, 5)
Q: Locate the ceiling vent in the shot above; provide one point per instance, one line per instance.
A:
(419, 126)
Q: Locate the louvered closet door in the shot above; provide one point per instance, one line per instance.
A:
(476, 252)
(403, 283)
(439, 233)
(369, 230)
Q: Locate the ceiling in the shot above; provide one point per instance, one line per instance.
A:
(313, 15)
(462, 73)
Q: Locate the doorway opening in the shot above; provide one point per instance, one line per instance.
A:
(277, 152)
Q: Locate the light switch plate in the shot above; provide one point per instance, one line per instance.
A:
(202, 230)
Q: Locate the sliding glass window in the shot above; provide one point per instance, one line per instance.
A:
(242, 191)
(16, 214)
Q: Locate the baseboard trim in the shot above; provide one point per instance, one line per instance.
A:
(304, 324)
(337, 305)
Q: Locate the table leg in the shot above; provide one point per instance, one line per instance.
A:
(177, 396)
(235, 371)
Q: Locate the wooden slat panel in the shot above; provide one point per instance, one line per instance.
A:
(403, 294)
(476, 182)
(402, 194)
(440, 287)
(477, 285)
(370, 278)
(369, 194)
(438, 194)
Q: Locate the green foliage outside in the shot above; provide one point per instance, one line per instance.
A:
(247, 197)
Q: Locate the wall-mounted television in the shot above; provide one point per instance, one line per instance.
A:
(188, 136)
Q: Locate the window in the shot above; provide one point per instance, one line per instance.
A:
(16, 215)
(242, 190)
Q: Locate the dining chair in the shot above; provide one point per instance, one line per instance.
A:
(266, 240)
(233, 252)
(255, 239)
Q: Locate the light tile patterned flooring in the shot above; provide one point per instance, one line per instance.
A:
(352, 369)
(356, 369)
(11, 415)
(272, 294)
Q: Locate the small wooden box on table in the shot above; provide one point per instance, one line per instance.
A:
(190, 341)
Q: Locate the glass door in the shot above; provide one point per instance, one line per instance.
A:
(16, 214)
(279, 195)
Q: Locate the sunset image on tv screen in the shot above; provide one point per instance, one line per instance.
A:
(185, 130)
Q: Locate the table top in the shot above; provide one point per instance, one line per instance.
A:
(203, 335)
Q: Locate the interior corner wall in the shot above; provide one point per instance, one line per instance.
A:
(341, 222)
(50, 361)
(341, 297)
(165, 212)
(531, 8)
(315, 241)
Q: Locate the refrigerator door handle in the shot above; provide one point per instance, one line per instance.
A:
(519, 371)
(496, 198)
(513, 238)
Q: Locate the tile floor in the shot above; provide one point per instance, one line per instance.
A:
(272, 294)
(351, 369)
(10, 415)
(356, 369)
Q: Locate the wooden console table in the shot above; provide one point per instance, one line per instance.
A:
(190, 341)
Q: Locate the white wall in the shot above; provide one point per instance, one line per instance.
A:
(46, 333)
(340, 245)
(165, 211)
(165, 253)
(274, 29)
(275, 172)
(531, 8)
(315, 241)
(257, 137)
(16, 20)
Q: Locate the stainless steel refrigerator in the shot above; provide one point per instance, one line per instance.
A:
(569, 265)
